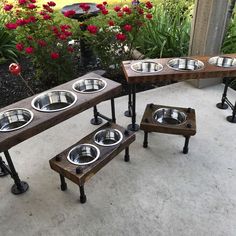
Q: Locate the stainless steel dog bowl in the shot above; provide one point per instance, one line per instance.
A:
(146, 67)
(169, 116)
(92, 85)
(55, 100)
(222, 61)
(185, 64)
(83, 154)
(14, 119)
(108, 137)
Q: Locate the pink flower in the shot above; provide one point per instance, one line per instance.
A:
(104, 11)
(92, 29)
(121, 37)
(111, 23)
(128, 27)
(149, 16)
(11, 26)
(8, 7)
(149, 5)
(15, 69)
(54, 55)
(31, 6)
(69, 13)
(20, 46)
(46, 17)
(42, 43)
(29, 50)
(117, 8)
(21, 2)
(51, 4)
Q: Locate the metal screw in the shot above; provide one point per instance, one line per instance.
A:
(189, 125)
(79, 170)
(58, 158)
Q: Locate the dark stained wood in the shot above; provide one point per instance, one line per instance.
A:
(209, 71)
(149, 125)
(68, 170)
(44, 120)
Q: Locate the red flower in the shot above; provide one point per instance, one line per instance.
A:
(8, 7)
(46, 17)
(21, 2)
(104, 3)
(92, 29)
(69, 13)
(29, 50)
(100, 6)
(149, 5)
(128, 27)
(33, 1)
(84, 6)
(54, 55)
(70, 49)
(15, 69)
(120, 14)
(42, 43)
(65, 27)
(117, 8)
(42, 13)
(51, 4)
(20, 46)
(62, 36)
(47, 8)
(121, 37)
(31, 6)
(111, 23)
(20, 22)
(140, 11)
(67, 33)
(11, 26)
(104, 11)
(149, 16)
(32, 19)
(127, 10)
(29, 37)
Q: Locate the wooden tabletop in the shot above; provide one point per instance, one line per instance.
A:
(209, 71)
(45, 120)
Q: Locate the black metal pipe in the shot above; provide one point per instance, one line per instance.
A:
(113, 113)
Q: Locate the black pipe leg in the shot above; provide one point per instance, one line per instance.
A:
(222, 105)
(145, 141)
(128, 112)
(83, 197)
(232, 118)
(63, 183)
(113, 113)
(127, 158)
(96, 120)
(133, 126)
(3, 171)
(185, 149)
(20, 186)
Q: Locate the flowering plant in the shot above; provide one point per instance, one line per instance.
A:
(112, 33)
(42, 39)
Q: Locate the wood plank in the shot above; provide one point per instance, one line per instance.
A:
(44, 120)
(209, 71)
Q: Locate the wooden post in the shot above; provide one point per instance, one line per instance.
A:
(208, 28)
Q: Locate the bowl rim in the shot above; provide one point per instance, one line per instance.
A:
(221, 56)
(18, 108)
(144, 61)
(87, 163)
(189, 58)
(97, 91)
(108, 145)
(185, 116)
(49, 91)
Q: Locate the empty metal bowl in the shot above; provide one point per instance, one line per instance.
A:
(55, 100)
(222, 61)
(146, 67)
(185, 64)
(83, 154)
(169, 116)
(89, 85)
(108, 137)
(14, 119)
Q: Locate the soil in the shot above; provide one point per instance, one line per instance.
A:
(13, 89)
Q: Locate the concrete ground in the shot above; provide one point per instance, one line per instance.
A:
(160, 192)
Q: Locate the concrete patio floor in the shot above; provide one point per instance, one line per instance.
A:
(160, 192)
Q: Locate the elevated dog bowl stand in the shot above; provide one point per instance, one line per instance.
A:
(133, 78)
(187, 128)
(225, 102)
(43, 121)
(81, 174)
